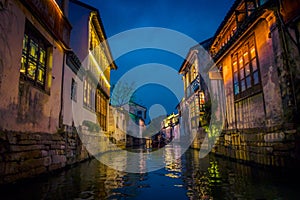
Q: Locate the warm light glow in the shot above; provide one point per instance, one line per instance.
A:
(252, 52)
(201, 96)
(234, 66)
(241, 61)
(99, 69)
(57, 7)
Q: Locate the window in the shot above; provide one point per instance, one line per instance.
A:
(245, 68)
(139, 114)
(74, 90)
(89, 94)
(202, 101)
(34, 57)
(101, 109)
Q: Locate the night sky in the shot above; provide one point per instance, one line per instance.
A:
(197, 19)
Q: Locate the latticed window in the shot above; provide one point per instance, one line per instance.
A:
(89, 94)
(245, 68)
(101, 109)
(201, 101)
(34, 56)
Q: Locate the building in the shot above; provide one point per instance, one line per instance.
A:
(256, 53)
(118, 119)
(34, 39)
(88, 41)
(135, 124)
(43, 77)
(170, 128)
(32, 55)
(195, 92)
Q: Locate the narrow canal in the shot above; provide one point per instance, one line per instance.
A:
(186, 178)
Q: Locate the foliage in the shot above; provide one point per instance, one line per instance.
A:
(91, 126)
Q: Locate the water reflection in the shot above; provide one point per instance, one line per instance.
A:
(186, 177)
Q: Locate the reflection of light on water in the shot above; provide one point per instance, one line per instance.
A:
(178, 185)
(173, 161)
(214, 173)
(171, 175)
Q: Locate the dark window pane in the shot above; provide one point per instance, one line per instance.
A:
(243, 85)
(255, 77)
(247, 69)
(242, 73)
(236, 88)
(254, 65)
(248, 80)
(236, 77)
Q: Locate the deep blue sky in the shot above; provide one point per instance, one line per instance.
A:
(198, 19)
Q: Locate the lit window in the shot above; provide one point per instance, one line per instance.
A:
(202, 101)
(101, 109)
(34, 56)
(245, 69)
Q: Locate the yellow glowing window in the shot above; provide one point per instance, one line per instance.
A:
(241, 61)
(235, 66)
(34, 56)
(252, 52)
(246, 57)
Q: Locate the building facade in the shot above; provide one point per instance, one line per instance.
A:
(118, 119)
(34, 39)
(170, 128)
(136, 117)
(43, 76)
(254, 52)
(88, 41)
(195, 92)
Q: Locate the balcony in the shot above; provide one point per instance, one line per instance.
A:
(193, 87)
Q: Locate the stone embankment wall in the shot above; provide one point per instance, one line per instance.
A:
(25, 155)
(276, 148)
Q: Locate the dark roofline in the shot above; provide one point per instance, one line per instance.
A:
(231, 12)
(137, 104)
(226, 18)
(208, 42)
(89, 7)
(243, 27)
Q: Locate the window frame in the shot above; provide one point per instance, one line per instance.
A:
(74, 90)
(245, 82)
(32, 37)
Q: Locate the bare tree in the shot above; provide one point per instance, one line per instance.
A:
(122, 93)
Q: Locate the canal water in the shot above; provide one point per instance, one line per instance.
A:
(186, 178)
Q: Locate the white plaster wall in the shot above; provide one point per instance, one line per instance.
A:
(68, 104)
